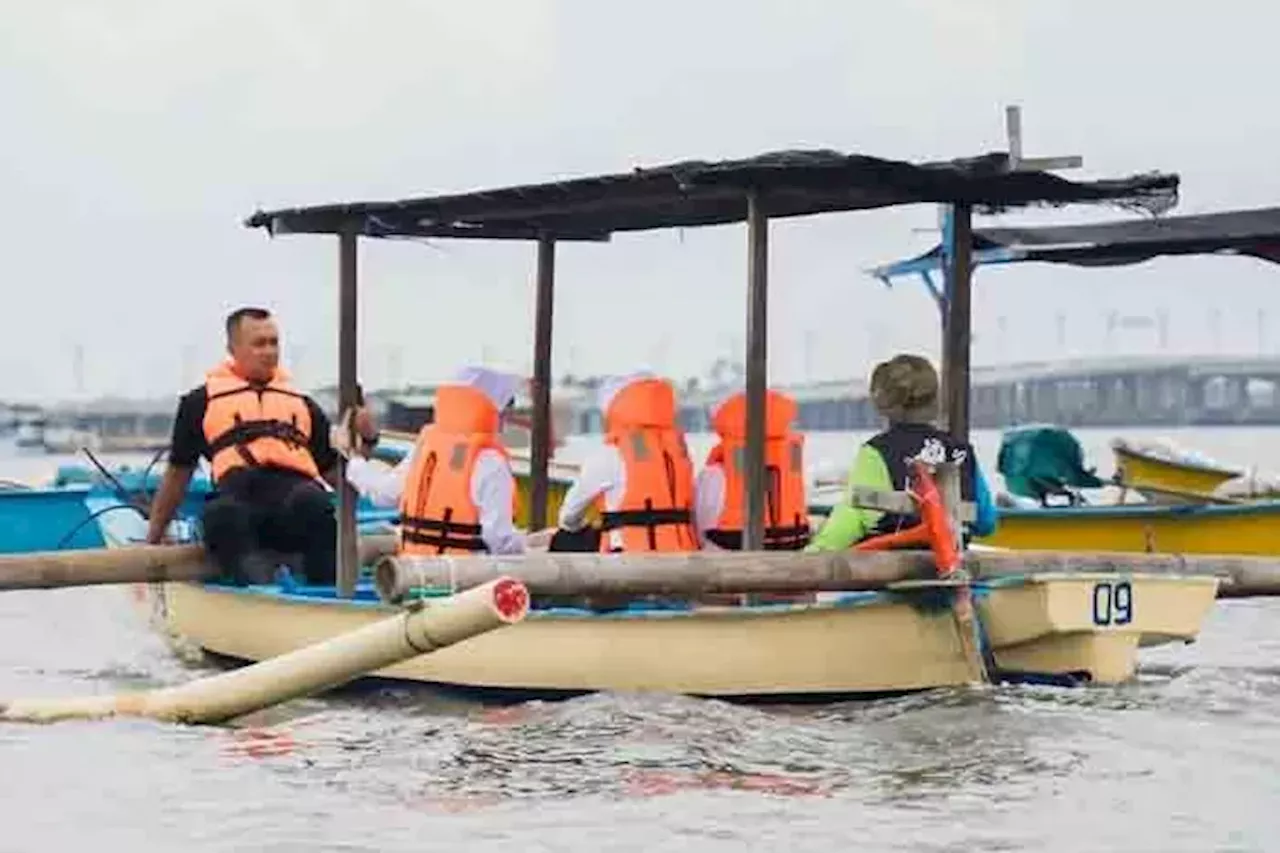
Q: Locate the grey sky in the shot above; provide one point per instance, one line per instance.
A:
(139, 134)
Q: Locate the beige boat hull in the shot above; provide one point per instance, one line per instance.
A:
(867, 644)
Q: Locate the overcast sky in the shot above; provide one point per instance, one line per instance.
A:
(138, 134)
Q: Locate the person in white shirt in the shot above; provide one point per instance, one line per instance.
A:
(640, 480)
(455, 487)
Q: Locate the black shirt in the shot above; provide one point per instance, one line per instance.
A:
(188, 443)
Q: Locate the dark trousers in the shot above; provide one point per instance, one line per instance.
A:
(270, 509)
(587, 539)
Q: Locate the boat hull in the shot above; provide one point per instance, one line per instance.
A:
(46, 520)
(1247, 529)
(866, 644)
(1167, 481)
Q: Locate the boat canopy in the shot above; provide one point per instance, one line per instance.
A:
(696, 193)
(1254, 233)
(685, 195)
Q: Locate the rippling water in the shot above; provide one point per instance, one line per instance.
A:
(1185, 758)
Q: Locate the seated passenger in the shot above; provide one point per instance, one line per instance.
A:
(720, 511)
(904, 391)
(268, 448)
(455, 489)
(640, 481)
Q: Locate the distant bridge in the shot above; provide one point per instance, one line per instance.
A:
(1102, 392)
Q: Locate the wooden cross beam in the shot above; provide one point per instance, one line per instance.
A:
(953, 301)
(1018, 163)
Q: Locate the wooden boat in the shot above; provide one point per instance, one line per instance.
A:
(1063, 627)
(1243, 529)
(1067, 628)
(1162, 473)
(55, 515)
(52, 516)
(1189, 529)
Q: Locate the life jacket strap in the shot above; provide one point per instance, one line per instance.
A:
(775, 538)
(243, 433)
(648, 518)
(442, 533)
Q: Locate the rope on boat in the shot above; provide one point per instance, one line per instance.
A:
(93, 516)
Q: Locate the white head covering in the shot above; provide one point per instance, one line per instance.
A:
(611, 386)
(499, 387)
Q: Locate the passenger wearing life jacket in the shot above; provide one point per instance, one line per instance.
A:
(268, 445)
(904, 391)
(720, 510)
(455, 489)
(641, 481)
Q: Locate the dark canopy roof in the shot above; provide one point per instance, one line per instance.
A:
(693, 193)
(1255, 233)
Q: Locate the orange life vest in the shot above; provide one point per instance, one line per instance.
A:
(786, 508)
(255, 425)
(437, 514)
(656, 513)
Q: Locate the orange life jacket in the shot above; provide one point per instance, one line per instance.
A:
(254, 425)
(656, 513)
(437, 514)
(786, 508)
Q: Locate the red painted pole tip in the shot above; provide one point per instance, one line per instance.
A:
(511, 599)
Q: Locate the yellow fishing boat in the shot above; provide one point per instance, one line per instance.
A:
(1163, 474)
(909, 636)
(1249, 529)
(1077, 628)
(1243, 529)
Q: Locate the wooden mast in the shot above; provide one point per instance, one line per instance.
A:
(957, 247)
(957, 323)
(348, 397)
(540, 457)
(757, 370)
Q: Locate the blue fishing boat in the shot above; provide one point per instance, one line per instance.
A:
(64, 513)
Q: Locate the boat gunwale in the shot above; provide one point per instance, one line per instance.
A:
(1137, 510)
(1193, 467)
(851, 600)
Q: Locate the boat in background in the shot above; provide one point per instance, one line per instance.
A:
(1163, 472)
(55, 515)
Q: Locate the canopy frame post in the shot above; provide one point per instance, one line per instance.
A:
(957, 322)
(348, 556)
(757, 370)
(540, 456)
(955, 303)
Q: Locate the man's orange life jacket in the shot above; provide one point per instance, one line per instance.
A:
(656, 513)
(786, 508)
(437, 514)
(256, 425)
